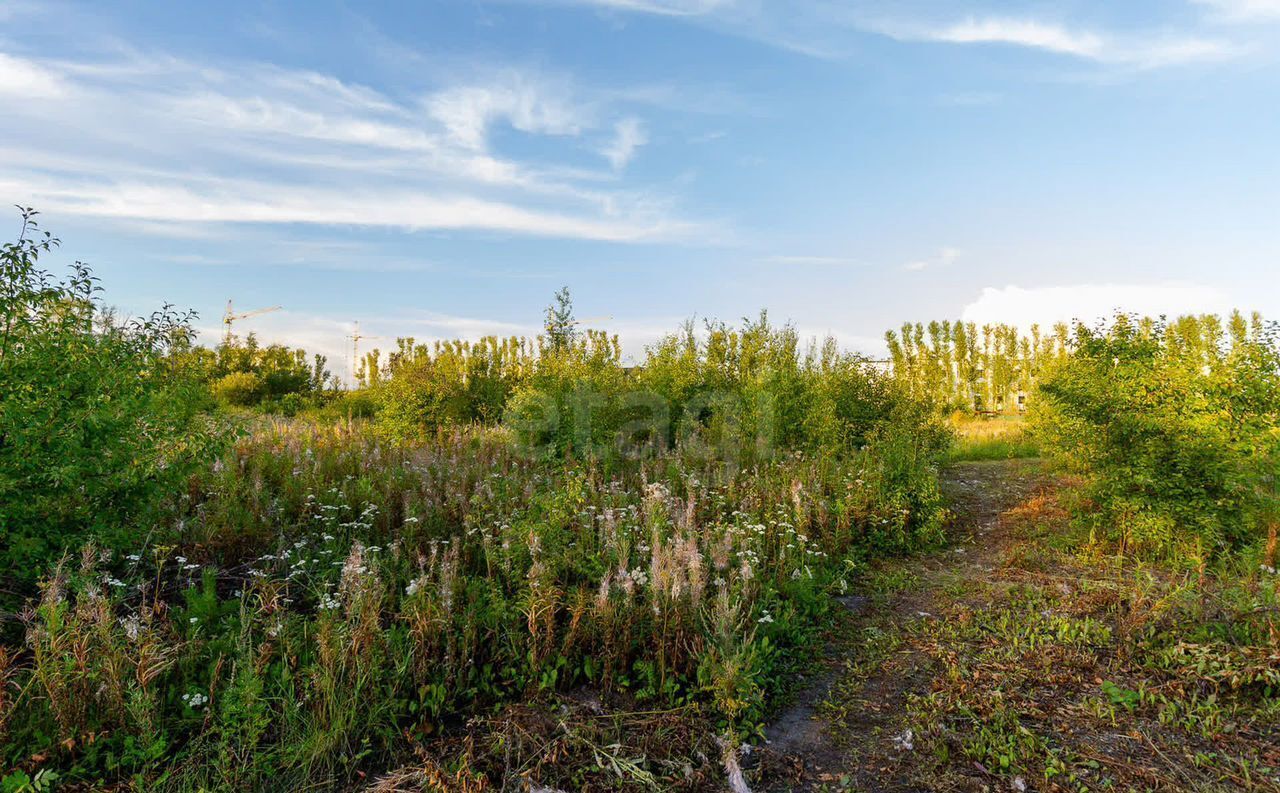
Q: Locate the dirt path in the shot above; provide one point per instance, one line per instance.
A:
(844, 730)
(1023, 657)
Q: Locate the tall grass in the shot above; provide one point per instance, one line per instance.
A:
(333, 600)
(1000, 438)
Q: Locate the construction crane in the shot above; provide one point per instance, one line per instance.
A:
(355, 337)
(230, 316)
(589, 320)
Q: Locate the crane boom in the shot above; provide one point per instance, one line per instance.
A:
(230, 316)
(254, 313)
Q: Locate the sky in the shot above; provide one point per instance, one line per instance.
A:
(439, 169)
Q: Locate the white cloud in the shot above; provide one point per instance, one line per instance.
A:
(468, 111)
(1243, 10)
(818, 261)
(1024, 306)
(629, 136)
(1136, 50)
(1024, 33)
(943, 258)
(24, 79)
(245, 201)
(829, 30)
(254, 143)
(680, 8)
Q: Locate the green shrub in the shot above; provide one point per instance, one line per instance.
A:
(1175, 427)
(274, 378)
(100, 420)
(240, 389)
(448, 384)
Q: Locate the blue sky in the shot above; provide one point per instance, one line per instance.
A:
(438, 169)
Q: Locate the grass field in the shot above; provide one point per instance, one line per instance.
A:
(1000, 438)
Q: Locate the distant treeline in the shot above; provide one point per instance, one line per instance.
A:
(964, 366)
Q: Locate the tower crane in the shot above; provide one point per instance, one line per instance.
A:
(230, 316)
(355, 337)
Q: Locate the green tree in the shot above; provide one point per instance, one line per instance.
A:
(560, 327)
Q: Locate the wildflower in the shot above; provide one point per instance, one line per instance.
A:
(765, 618)
(905, 741)
(195, 701)
(131, 627)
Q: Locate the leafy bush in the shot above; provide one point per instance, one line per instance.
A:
(99, 420)
(575, 399)
(274, 378)
(241, 389)
(1175, 427)
(449, 384)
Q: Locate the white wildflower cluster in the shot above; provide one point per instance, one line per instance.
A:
(328, 602)
(131, 625)
(195, 701)
(1268, 569)
(905, 741)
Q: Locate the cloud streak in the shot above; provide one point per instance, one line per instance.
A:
(943, 258)
(1243, 10)
(1140, 51)
(830, 30)
(255, 143)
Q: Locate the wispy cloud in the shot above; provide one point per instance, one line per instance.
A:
(970, 99)
(943, 258)
(831, 30)
(629, 136)
(1144, 51)
(467, 112)
(1243, 10)
(256, 143)
(25, 79)
(678, 8)
(812, 261)
(248, 201)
